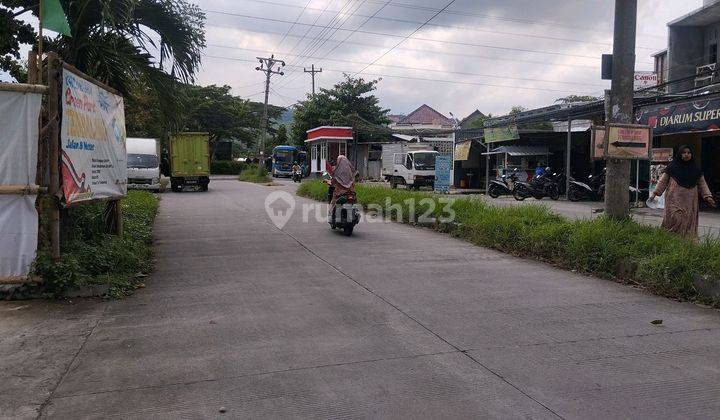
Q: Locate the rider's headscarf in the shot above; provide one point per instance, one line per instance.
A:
(344, 173)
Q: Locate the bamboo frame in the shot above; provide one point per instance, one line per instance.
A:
(21, 280)
(21, 189)
(23, 88)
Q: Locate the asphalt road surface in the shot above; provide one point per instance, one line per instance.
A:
(393, 322)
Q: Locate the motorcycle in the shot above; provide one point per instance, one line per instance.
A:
(594, 189)
(344, 214)
(297, 175)
(539, 187)
(502, 186)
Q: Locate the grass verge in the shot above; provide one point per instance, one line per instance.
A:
(253, 173)
(91, 257)
(621, 250)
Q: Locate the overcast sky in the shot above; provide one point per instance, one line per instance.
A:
(477, 54)
(539, 50)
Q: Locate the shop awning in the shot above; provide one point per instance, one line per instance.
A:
(462, 150)
(520, 151)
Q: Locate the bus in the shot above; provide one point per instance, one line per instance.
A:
(282, 160)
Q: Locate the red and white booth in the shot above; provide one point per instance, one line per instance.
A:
(326, 143)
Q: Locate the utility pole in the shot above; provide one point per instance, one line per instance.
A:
(312, 72)
(621, 104)
(266, 66)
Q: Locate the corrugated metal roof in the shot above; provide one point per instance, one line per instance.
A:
(520, 150)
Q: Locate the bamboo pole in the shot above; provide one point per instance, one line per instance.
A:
(23, 88)
(20, 280)
(21, 189)
(54, 152)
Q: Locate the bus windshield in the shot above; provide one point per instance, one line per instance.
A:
(425, 161)
(284, 156)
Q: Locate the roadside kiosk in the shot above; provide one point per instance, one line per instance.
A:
(326, 143)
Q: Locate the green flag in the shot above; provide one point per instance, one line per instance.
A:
(54, 17)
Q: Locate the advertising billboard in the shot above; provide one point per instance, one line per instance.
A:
(681, 117)
(92, 136)
(506, 133)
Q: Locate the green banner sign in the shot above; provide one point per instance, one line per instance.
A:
(496, 134)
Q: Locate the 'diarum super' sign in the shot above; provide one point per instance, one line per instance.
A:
(682, 117)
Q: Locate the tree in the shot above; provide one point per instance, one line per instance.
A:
(13, 33)
(349, 102)
(571, 99)
(116, 41)
(542, 125)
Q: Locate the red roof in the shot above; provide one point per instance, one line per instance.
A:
(426, 115)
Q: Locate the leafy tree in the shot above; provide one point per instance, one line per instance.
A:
(349, 102)
(116, 41)
(479, 122)
(13, 33)
(571, 99)
(544, 125)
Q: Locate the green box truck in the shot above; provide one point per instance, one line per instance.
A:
(189, 161)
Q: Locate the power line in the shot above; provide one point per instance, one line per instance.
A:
(293, 25)
(466, 28)
(417, 68)
(461, 13)
(385, 34)
(318, 45)
(448, 53)
(407, 37)
(419, 78)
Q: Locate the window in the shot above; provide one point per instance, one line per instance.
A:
(713, 53)
(141, 161)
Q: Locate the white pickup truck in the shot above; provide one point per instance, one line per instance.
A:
(409, 164)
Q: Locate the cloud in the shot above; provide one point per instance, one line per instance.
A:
(458, 77)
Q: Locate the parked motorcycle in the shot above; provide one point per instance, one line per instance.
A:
(503, 186)
(593, 190)
(539, 187)
(344, 214)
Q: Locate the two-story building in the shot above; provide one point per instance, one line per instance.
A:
(691, 58)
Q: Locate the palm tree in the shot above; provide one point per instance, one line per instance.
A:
(129, 44)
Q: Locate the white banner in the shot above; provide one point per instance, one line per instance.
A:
(92, 136)
(19, 113)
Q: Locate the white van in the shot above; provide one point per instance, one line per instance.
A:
(143, 163)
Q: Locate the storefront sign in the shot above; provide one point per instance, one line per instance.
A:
(92, 136)
(597, 142)
(443, 166)
(681, 117)
(660, 155)
(627, 141)
(645, 79)
(462, 150)
(506, 133)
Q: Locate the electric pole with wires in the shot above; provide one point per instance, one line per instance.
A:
(267, 66)
(312, 71)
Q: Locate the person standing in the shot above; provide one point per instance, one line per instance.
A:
(683, 183)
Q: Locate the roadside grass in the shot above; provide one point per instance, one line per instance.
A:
(256, 174)
(92, 257)
(226, 167)
(622, 250)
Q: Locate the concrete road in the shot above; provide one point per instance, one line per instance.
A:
(393, 322)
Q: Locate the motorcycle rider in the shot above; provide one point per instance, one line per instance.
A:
(343, 179)
(296, 170)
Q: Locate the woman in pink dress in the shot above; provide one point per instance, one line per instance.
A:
(683, 184)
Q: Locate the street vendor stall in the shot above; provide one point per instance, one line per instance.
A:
(522, 160)
(326, 144)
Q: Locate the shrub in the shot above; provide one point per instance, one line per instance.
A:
(256, 174)
(226, 167)
(89, 255)
(620, 249)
